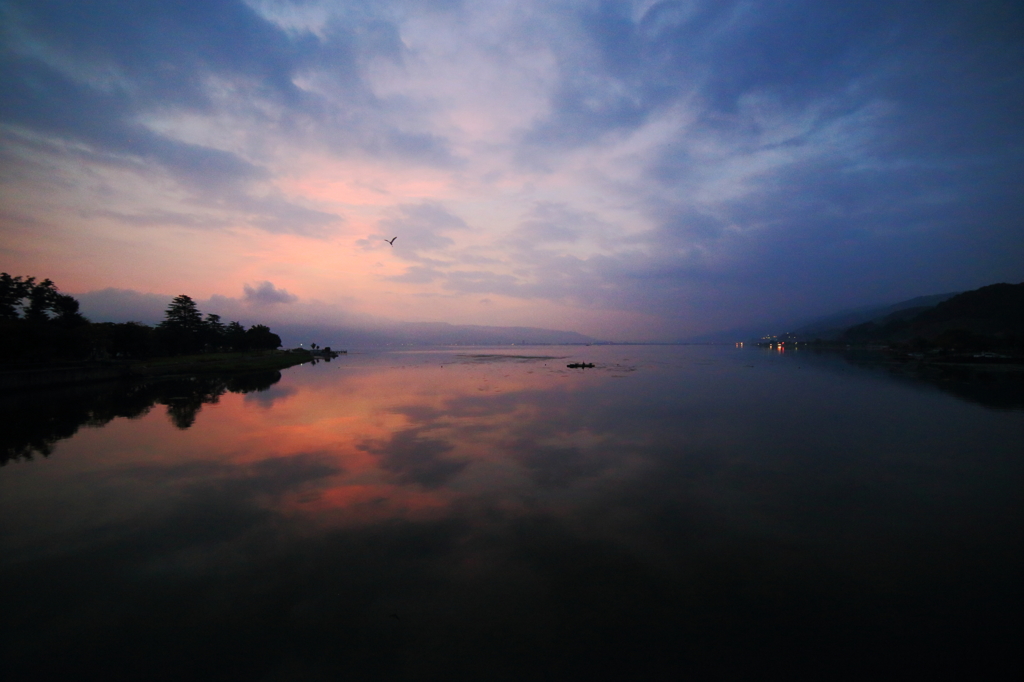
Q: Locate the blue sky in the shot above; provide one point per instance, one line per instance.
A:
(629, 170)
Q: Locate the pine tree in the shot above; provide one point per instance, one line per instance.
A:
(40, 301)
(183, 314)
(12, 291)
(182, 328)
(234, 336)
(213, 331)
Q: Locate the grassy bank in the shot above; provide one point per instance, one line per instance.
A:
(63, 374)
(219, 363)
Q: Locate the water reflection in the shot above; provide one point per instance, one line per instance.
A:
(996, 386)
(670, 512)
(992, 386)
(35, 421)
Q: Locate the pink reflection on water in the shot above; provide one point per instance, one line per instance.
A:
(409, 439)
(410, 436)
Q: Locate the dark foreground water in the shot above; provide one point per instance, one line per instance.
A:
(673, 513)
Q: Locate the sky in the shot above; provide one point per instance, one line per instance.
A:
(627, 170)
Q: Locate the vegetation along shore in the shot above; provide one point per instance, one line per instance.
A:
(983, 327)
(45, 341)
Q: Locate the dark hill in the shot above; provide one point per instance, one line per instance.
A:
(995, 309)
(989, 317)
(833, 326)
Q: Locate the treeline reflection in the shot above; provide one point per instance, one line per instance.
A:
(38, 420)
(995, 387)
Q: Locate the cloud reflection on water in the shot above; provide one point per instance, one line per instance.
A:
(697, 515)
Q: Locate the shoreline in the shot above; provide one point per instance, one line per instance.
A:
(29, 378)
(887, 355)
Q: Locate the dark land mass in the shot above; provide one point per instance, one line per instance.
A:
(833, 326)
(124, 305)
(980, 327)
(828, 328)
(970, 345)
(45, 341)
(27, 377)
(990, 317)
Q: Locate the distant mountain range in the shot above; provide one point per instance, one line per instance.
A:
(995, 311)
(991, 316)
(831, 327)
(423, 334)
(123, 305)
(828, 328)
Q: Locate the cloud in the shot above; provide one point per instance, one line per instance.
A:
(413, 458)
(420, 226)
(277, 215)
(418, 229)
(303, 317)
(553, 222)
(265, 293)
(266, 398)
(661, 157)
(102, 121)
(123, 305)
(176, 89)
(417, 275)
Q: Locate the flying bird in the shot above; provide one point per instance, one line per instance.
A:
(391, 241)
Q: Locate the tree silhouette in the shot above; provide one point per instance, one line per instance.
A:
(37, 322)
(35, 422)
(65, 309)
(183, 314)
(124, 339)
(260, 337)
(182, 328)
(40, 300)
(12, 291)
(40, 324)
(213, 331)
(21, 298)
(234, 336)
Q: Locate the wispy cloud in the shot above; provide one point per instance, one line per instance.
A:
(702, 163)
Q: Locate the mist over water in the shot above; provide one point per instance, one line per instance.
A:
(673, 512)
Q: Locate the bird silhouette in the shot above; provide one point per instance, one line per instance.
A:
(391, 241)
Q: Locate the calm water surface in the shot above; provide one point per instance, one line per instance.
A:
(489, 514)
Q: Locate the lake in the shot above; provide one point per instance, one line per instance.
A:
(674, 512)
